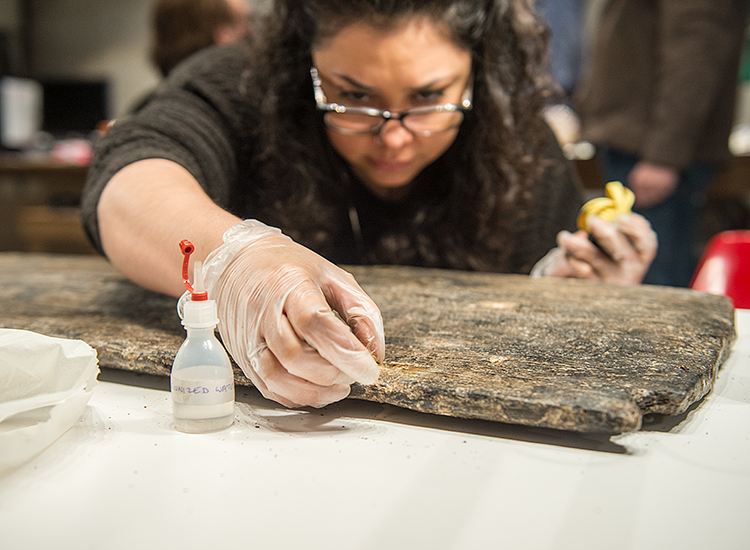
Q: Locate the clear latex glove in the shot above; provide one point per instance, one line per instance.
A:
(281, 308)
(627, 247)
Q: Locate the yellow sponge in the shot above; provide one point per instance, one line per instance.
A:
(619, 200)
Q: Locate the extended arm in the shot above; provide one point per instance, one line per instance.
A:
(144, 212)
(276, 298)
(163, 176)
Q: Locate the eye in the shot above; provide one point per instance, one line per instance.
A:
(430, 96)
(354, 96)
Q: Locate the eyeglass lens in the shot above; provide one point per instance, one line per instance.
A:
(420, 123)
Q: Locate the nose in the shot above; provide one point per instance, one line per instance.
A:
(394, 135)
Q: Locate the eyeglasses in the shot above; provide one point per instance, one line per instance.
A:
(421, 121)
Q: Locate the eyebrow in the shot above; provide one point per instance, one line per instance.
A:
(428, 86)
(353, 82)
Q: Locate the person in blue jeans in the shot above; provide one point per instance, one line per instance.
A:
(657, 100)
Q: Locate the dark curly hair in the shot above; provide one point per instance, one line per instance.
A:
(475, 199)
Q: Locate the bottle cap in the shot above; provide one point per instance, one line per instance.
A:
(200, 314)
(197, 291)
(198, 311)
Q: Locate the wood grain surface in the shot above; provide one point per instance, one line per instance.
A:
(564, 354)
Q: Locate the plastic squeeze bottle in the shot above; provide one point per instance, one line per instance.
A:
(202, 381)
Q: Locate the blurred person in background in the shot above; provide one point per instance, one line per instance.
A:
(658, 102)
(183, 27)
(565, 18)
(566, 22)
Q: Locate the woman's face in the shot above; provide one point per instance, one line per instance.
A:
(415, 65)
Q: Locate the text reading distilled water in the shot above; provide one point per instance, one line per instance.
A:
(202, 399)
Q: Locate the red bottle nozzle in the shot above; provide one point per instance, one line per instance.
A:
(198, 294)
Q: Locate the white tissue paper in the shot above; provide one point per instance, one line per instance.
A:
(45, 384)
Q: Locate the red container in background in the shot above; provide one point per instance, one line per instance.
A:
(724, 267)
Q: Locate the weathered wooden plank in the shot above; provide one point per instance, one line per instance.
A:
(562, 354)
(557, 353)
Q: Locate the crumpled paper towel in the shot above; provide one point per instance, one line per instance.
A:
(45, 384)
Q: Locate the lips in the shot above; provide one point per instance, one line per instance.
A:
(389, 166)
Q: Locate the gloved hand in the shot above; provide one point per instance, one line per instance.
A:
(627, 246)
(281, 308)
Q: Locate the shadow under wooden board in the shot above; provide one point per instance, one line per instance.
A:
(563, 354)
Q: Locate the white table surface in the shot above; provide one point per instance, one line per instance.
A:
(362, 475)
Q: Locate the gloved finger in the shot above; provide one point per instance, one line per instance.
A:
(615, 244)
(292, 391)
(249, 367)
(587, 260)
(578, 246)
(640, 233)
(582, 269)
(314, 321)
(365, 328)
(359, 311)
(300, 358)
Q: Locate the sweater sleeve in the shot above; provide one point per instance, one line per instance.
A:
(194, 119)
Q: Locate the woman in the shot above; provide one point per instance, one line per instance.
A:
(399, 132)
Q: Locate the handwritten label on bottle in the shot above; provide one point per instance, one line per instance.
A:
(202, 392)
